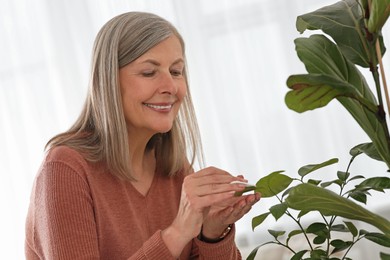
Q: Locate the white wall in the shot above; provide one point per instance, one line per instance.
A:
(240, 54)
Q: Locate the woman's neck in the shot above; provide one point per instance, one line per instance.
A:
(142, 158)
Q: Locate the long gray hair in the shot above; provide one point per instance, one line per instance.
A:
(100, 132)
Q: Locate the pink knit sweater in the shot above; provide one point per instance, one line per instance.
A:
(78, 210)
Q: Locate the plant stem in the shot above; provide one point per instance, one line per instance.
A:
(381, 114)
(350, 247)
(284, 245)
(375, 56)
(383, 76)
(329, 225)
(298, 223)
(300, 226)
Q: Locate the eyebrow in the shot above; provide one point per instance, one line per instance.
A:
(156, 63)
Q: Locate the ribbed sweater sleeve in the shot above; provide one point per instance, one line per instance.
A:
(153, 248)
(63, 216)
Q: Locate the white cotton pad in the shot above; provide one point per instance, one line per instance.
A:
(243, 183)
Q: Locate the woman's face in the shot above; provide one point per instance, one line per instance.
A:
(153, 87)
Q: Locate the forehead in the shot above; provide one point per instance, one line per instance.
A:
(169, 48)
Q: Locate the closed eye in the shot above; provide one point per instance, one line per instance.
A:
(148, 74)
(176, 73)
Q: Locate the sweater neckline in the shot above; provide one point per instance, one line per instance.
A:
(152, 187)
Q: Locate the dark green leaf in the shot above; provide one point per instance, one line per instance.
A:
(357, 177)
(343, 176)
(337, 243)
(311, 91)
(340, 228)
(278, 210)
(309, 198)
(343, 21)
(246, 189)
(367, 148)
(384, 256)
(276, 233)
(376, 183)
(252, 255)
(315, 182)
(316, 227)
(303, 171)
(363, 232)
(322, 57)
(359, 196)
(379, 13)
(319, 240)
(273, 184)
(317, 254)
(293, 233)
(351, 228)
(340, 245)
(328, 183)
(303, 213)
(285, 193)
(259, 219)
(378, 238)
(299, 255)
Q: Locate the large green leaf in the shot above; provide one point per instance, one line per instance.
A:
(367, 148)
(344, 22)
(304, 170)
(311, 91)
(384, 256)
(278, 210)
(322, 57)
(352, 228)
(376, 183)
(259, 219)
(378, 238)
(272, 184)
(379, 13)
(276, 233)
(310, 198)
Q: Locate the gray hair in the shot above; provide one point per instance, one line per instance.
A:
(100, 132)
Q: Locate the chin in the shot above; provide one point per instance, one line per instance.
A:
(162, 127)
(163, 131)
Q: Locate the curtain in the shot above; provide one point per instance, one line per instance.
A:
(239, 53)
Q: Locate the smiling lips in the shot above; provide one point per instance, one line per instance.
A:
(162, 108)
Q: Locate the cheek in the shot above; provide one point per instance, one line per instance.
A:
(182, 92)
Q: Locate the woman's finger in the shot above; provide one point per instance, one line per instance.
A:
(241, 208)
(214, 188)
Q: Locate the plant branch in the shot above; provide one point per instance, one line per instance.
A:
(286, 246)
(300, 226)
(383, 76)
(350, 247)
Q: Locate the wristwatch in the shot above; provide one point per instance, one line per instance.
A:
(216, 240)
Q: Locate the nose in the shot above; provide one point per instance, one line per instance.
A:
(168, 85)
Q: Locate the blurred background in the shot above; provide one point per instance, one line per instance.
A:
(239, 53)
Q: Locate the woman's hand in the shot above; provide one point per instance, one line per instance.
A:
(200, 191)
(226, 213)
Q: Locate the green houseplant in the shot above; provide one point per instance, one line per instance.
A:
(351, 36)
